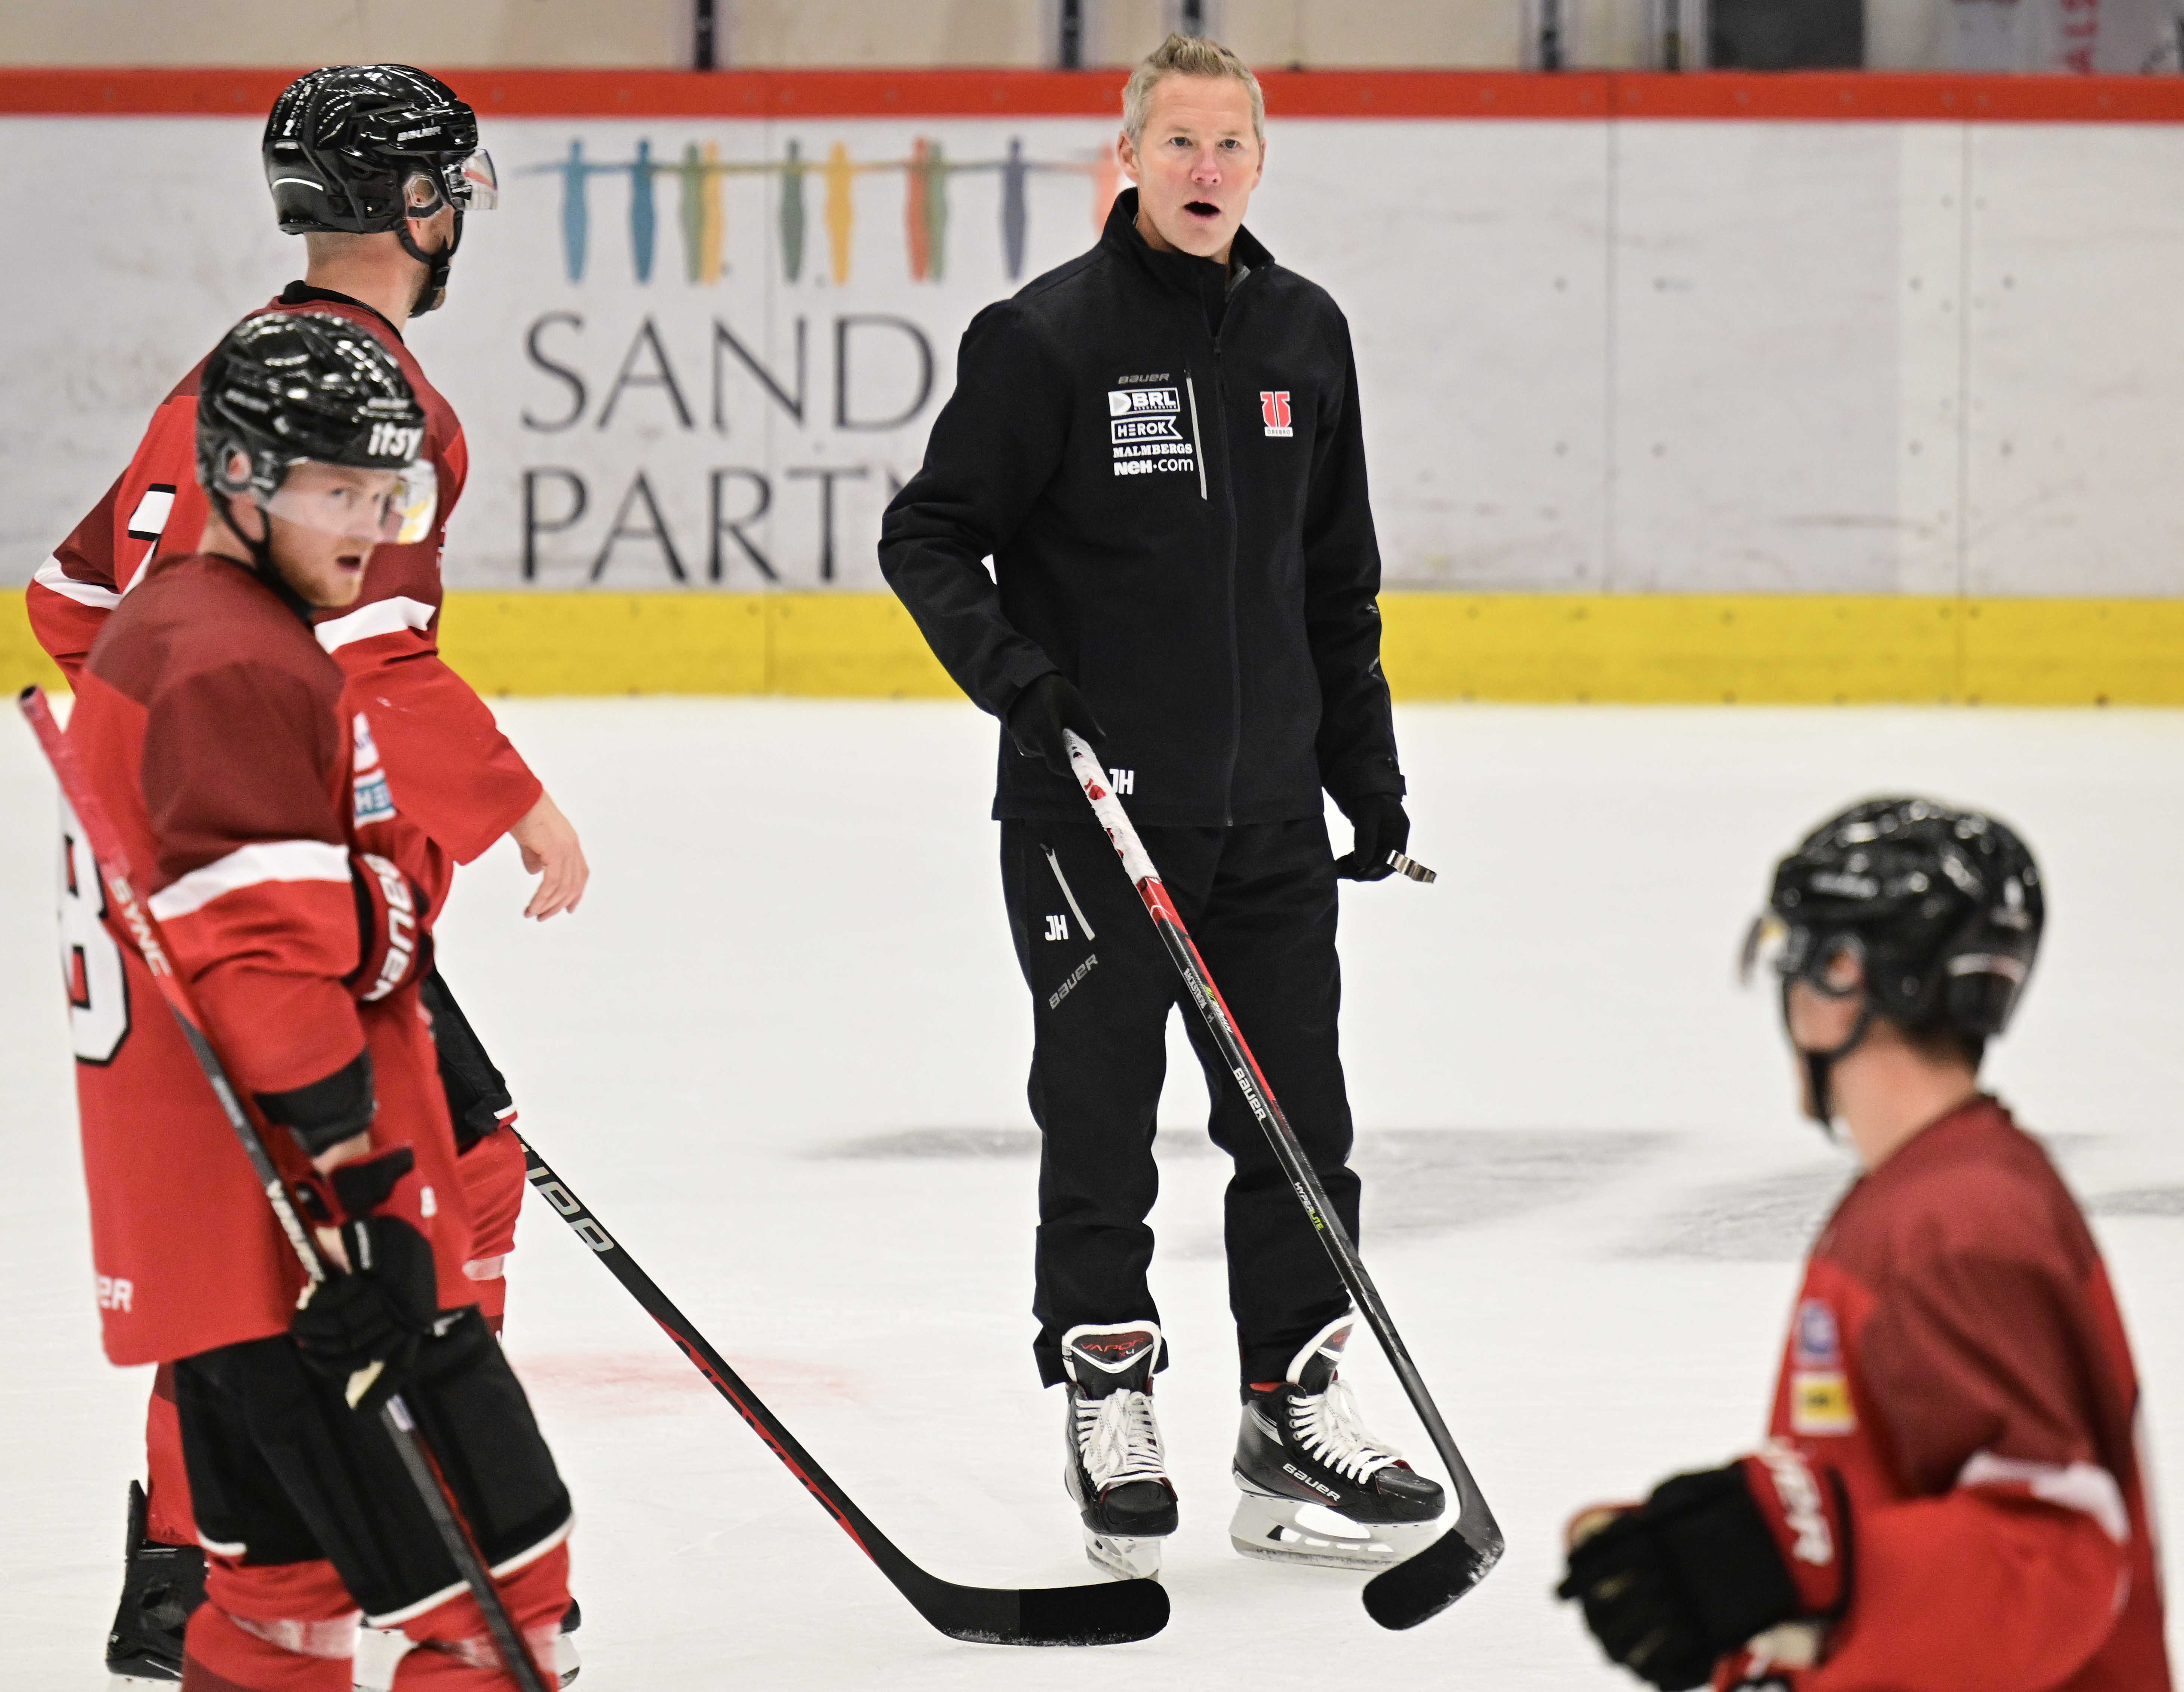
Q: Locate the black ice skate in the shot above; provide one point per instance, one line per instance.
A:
(1116, 1472)
(160, 1586)
(1317, 1488)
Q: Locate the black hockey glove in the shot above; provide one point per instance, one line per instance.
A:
(1379, 826)
(478, 1103)
(1040, 713)
(1708, 1562)
(361, 1330)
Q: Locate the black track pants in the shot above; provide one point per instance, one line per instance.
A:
(1260, 900)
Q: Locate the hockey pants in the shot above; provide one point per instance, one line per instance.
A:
(491, 1169)
(308, 1518)
(1260, 900)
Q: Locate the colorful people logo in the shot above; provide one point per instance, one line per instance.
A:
(702, 216)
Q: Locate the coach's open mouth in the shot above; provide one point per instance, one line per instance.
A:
(1201, 208)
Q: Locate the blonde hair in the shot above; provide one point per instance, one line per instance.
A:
(1181, 55)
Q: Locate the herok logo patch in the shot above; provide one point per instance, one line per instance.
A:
(1274, 410)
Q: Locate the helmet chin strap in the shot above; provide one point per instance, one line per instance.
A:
(1819, 1066)
(437, 265)
(260, 551)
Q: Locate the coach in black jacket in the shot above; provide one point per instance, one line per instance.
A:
(1162, 454)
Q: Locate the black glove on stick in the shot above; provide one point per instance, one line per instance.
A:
(1040, 713)
(378, 1312)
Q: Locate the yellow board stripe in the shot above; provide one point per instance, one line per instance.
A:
(1548, 648)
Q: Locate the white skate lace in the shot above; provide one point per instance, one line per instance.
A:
(1118, 1440)
(1326, 1424)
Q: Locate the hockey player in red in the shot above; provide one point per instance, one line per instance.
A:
(375, 166)
(1952, 1496)
(216, 732)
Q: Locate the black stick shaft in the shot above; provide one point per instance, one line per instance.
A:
(709, 1362)
(113, 862)
(1475, 1521)
(1105, 1613)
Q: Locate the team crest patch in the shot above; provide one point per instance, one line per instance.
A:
(374, 802)
(1818, 1341)
(1274, 411)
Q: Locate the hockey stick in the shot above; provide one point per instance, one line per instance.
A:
(1109, 1612)
(394, 1415)
(1423, 1585)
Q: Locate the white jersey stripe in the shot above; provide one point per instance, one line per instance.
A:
(380, 617)
(2083, 1486)
(54, 579)
(249, 867)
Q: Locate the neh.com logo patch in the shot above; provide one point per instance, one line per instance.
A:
(1274, 408)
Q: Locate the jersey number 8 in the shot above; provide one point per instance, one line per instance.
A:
(90, 960)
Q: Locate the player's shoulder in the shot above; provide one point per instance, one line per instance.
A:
(197, 617)
(1975, 1186)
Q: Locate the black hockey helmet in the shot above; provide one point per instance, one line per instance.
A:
(362, 148)
(287, 386)
(1943, 909)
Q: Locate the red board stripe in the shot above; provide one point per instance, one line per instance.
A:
(1803, 96)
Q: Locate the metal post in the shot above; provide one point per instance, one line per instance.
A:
(1192, 18)
(1672, 35)
(1551, 34)
(705, 53)
(1072, 34)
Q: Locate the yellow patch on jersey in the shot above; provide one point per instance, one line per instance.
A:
(1819, 1401)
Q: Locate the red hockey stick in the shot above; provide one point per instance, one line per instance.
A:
(114, 868)
(1418, 1587)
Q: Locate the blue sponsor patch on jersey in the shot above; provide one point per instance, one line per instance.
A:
(373, 803)
(1817, 1343)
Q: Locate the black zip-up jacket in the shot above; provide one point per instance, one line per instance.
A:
(1168, 471)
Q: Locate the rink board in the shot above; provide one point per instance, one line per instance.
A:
(1524, 648)
(1699, 335)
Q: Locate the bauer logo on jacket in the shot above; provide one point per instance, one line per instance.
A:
(1274, 408)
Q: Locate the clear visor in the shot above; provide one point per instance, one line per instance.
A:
(472, 182)
(373, 506)
(1772, 947)
(468, 184)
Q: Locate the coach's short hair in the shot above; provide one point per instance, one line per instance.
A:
(1182, 55)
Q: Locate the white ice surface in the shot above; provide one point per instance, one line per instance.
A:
(781, 1052)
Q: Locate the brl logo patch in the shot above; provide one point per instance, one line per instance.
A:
(1274, 408)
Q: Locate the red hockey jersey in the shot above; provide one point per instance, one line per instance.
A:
(212, 728)
(1957, 1358)
(453, 773)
